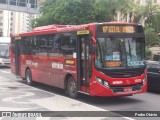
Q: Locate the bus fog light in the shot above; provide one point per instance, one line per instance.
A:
(106, 84)
(99, 80)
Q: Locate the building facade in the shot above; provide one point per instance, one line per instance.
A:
(14, 22)
(5, 23)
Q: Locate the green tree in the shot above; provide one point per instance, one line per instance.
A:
(75, 12)
(148, 12)
(151, 37)
(156, 23)
(66, 12)
(80, 11)
(148, 53)
(110, 8)
(133, 11)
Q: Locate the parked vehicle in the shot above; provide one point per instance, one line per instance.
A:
(4, 51)
(153, 75)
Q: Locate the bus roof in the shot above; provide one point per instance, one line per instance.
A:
(64, 28)
(5, 39)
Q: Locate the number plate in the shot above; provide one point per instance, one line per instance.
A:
(128, 89)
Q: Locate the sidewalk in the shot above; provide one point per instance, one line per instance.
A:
(16, 96)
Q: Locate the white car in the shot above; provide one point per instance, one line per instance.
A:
(4, 51)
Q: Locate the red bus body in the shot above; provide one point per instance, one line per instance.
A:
(53, 68)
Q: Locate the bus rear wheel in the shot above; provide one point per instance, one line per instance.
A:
(29, 77)
(72, 88)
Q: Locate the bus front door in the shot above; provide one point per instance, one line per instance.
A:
(83, 62)
(17, 56)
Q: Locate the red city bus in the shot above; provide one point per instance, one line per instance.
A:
(98, 59)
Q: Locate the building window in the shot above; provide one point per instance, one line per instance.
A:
(13, 2)
(3, 1)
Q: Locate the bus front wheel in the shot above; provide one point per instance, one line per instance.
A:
(29, 77)
(72, 88)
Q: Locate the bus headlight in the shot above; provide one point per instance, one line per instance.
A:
(99, 80)
(145, 80)
(102, 82)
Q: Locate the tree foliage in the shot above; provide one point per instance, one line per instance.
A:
(111, 8)
(151, 37)
(78, 11)
(86, 11)
(148, 52)
(66, 12)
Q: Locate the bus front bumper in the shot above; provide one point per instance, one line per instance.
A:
(99, 90)
(5, 63)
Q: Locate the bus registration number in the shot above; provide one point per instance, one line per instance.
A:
(128, 89)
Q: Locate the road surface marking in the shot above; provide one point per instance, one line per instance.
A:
(12, 99)
(53, 101)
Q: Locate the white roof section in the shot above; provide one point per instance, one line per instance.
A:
(5, 39)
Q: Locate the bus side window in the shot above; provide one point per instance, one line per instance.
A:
(25, 48)
(33, 45)
(50, 43)
(68, 44)
(56, 45)
(43, 44)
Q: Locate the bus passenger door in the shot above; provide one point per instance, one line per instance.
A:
(17, 55)
(83, 62)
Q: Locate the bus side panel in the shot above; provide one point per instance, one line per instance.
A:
(43, 66)
(12, 63)
(69, 68)
(55, 69)
(58, 69)
(30, 62)
(23, 65)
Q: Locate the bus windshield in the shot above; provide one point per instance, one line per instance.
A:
(4, 50)
(119, 52)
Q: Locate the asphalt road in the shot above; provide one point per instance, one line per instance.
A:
(149, 101)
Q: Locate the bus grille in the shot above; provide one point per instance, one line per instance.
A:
(117, 89)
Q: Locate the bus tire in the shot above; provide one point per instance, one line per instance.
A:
(72, 88)
(29, 77)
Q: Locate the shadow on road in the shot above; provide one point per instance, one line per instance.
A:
(109, 101)
(154, 92)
